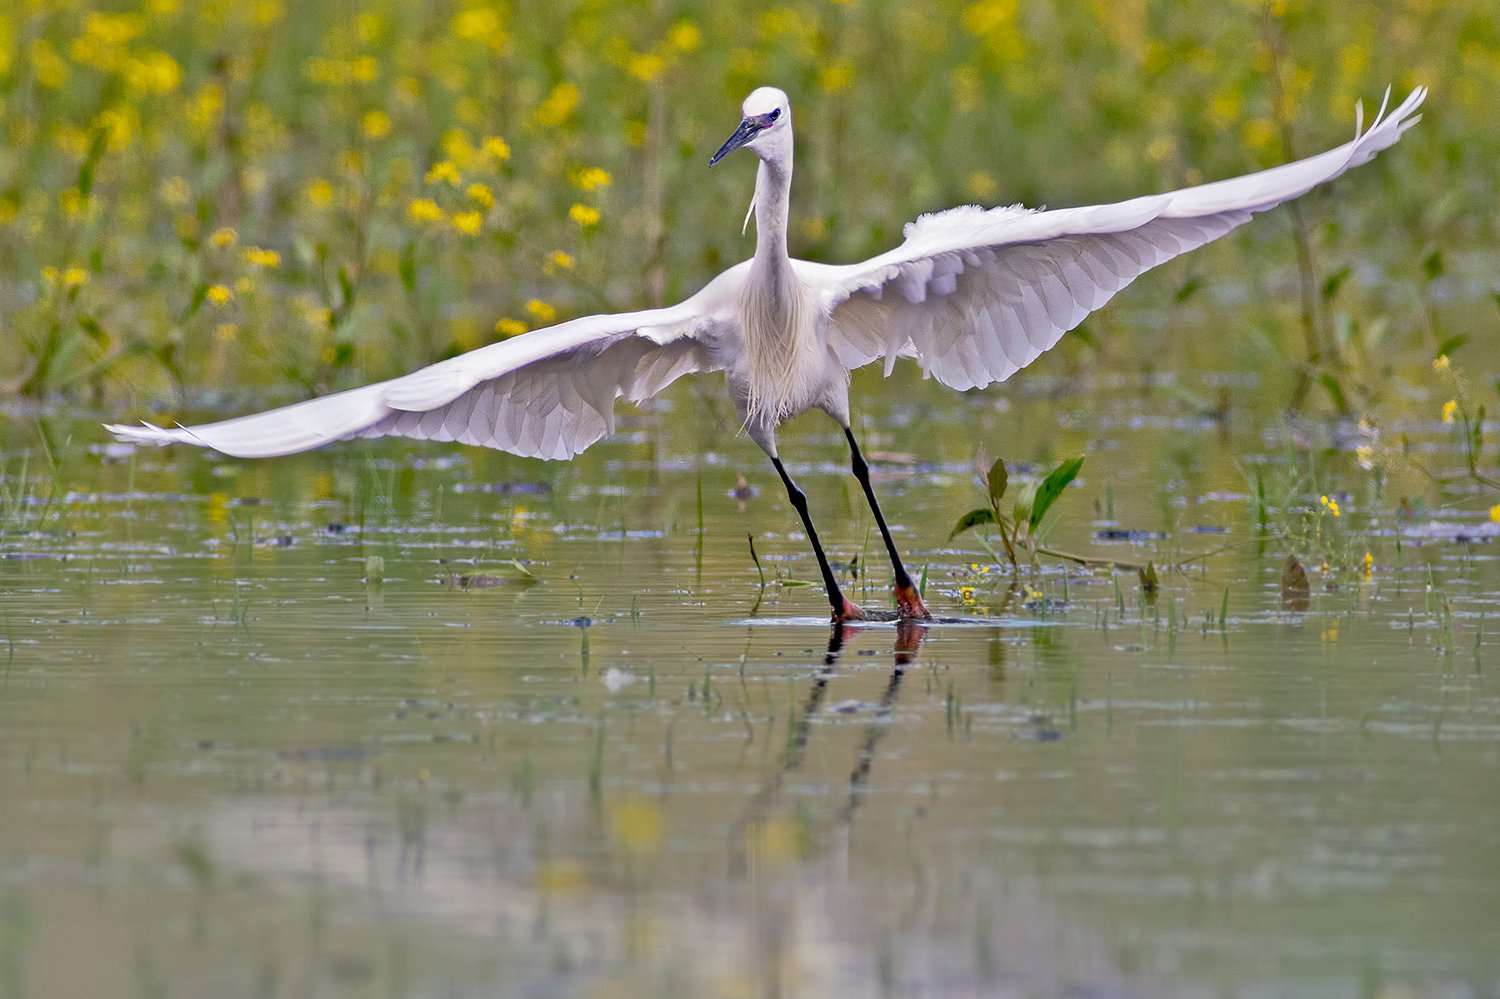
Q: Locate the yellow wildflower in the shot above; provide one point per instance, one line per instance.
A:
(1365, 455)
(444, 172)
(220, 295)
(424, 210)
(320, 193)
(584, 215)
(1450, 410)
(467, 223)
(646, 66)
(559, 104)
(981, 185)
(260, 257)
(496, 148)
(1441, 363)
(543, 312)
(1369, 561)
(481, 195)
(153, 73)
(1331, 505)
(557, 260)
(223, 237)
(510, 327)
(592, 178)
(685, 36)
(836, 76)
(1495, 513)
(376, 124)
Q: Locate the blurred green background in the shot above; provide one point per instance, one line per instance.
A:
(308, 196)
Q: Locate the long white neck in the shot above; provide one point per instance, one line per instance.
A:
(773, 191)
(778, 319)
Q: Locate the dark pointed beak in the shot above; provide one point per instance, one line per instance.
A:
(742, 135)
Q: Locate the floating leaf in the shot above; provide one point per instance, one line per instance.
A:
(998, 479)
(1296, 591)
(982, 515)
(1051, 488)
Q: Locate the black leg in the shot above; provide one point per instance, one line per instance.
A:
(842, 608)
(906, 593)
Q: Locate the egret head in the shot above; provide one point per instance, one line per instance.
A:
(766, 129)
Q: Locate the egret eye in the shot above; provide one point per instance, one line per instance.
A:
(775, 113)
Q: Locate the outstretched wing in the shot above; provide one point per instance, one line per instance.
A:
(547, 394)
(976, 295)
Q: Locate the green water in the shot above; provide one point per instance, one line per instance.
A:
(232, 765)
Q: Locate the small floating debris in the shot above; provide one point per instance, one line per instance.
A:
(1126, 534)
(616, 679)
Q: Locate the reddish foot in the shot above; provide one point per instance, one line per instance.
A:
(909, 601)
(850, 612)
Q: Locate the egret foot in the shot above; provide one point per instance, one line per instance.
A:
(849, 612)
(910, 603)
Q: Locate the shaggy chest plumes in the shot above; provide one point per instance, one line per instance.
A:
(778, 319)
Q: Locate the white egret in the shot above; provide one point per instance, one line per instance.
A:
(972, 295)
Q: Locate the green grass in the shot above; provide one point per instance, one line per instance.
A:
(284, 198)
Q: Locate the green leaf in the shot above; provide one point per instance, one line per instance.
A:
(1189, 288)
(1335, 392)
(974, 518)
(1451, 344)
(1334, 282)
(1051, 488)
(1432, 265)
(998, 480)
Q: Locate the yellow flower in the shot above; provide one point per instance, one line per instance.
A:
(1331, 505)
(496, 149)
(557, 260)
(543, 312)
(510, 327)
(320, 193)
(424, 210)
(981, 185)
(685, 36)
(1450, 410)
(223, 237)
(444, 172)
(1365, 455)
(559, 105)
(1369, 561)
(584, 215)
(646, 66)
(592, 178)
(481, 195)
(376, 124)
(153, 73)
(259, 257)
(71, 277)
(219, 295)
(468, 223)
(1441, 363)
(836, 76)
(1495, 513)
